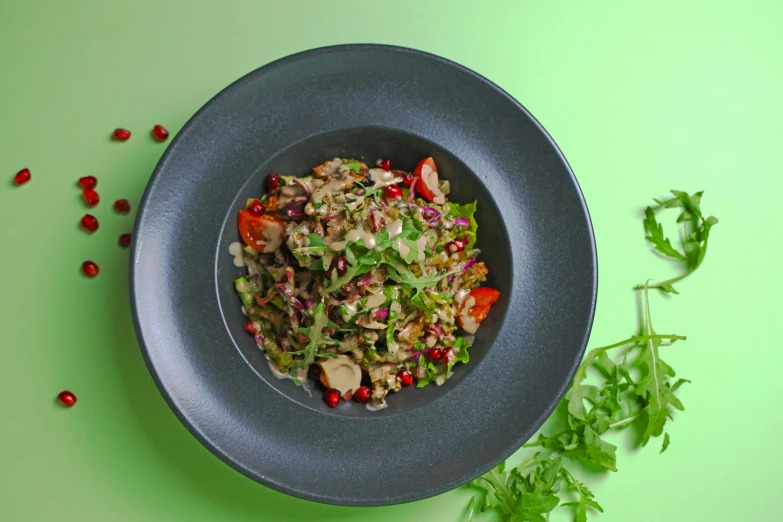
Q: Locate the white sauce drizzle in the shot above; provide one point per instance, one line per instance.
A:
(468, 323)
(375, 300)
(430, 179)
(235, 249)
(394, 228)
(354, 235)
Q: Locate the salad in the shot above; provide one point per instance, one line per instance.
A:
(364, 280)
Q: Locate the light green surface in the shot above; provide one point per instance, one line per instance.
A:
(641, 97)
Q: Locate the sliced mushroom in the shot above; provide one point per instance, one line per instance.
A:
(341, 373)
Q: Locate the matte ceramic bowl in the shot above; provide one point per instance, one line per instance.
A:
(367, 102)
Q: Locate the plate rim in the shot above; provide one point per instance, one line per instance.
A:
(162, 162)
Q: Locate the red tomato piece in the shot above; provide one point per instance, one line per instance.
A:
(480, 300)
(261, 233)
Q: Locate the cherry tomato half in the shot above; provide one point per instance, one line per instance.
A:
(261, 233)
(429, 190)
(480, 301)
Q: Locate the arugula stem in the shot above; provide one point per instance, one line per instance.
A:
(624, 421)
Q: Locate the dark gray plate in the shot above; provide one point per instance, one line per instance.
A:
(363, 101)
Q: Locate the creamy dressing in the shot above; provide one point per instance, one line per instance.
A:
(394, 228)
(353, 205)
(421, 244)
(354, 235)
(430, 179)
(235, 249)
(404, 249)
(468, 323)
(351, 308)
(273, 237)
(373, 406)
(375, 300)
(382, 178)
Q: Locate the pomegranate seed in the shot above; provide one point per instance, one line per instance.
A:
(91, 197)
(393, 192)
(160, 133)
(405, 377)
(435, 354)
(256, 208)
(249, 328)
(385, 164)
(125, 240)
(90, 269)
(88, 182)
(22, 177)
(362, 394)
(341, 265)
(90, 223)
(121, 135)
(122, 206)
(332, 397)
(66, 398)
(407, 180)
(456, 245)
(272, 182)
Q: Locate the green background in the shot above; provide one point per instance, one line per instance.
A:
(641, 97)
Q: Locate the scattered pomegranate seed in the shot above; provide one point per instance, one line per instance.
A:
(405, 377)
(249, 328)
(160, 133)
(121, 135)
(362, 394)
(332, 397)
(385, 164)
(90, 269)
(90, 223)
(125, 240)
(88, 182)
(341, 265)
(66, 398)
(407, 180)
(91, 197)
(272, 182)
(22, 177)
(393, 192)
(435, 354)
(122, 206)
(457, 245)
(256, 208)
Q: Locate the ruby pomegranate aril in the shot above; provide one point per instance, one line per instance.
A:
(122, 206)
(90, 269)
(91, 197)
(385, 164)
(125, 240)
(249, 328)
(88, 182)
(66, 398)
(393, 192)
(22, 177)
(362, 394)
(435, 354)
(456, 245)
(407, 180)
(341, 265)
(272, 182)
(90, 223)
(160, 133)
(332, 397)
(121, 135)
(256, 208)
(405, 377)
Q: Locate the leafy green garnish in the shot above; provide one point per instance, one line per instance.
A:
(466, 211)
(636, 387)
(316, 336)
(353, 165)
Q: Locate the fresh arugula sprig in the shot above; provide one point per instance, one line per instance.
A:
(635, 386)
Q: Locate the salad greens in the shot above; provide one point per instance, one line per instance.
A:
(636, 386)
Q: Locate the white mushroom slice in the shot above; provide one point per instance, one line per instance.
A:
(341, 374)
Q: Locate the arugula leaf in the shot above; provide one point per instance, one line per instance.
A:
(353, 165)
(316, 336)
(635, 386)
(466, 211)
(656, 237)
